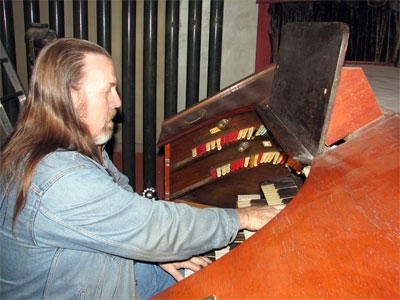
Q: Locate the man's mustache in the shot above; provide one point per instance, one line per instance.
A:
(116, 116)
(113, 114)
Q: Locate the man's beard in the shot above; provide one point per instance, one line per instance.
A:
(107, 131)
(105, 134)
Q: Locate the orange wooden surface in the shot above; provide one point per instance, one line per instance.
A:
(355, 105)
(338, 238)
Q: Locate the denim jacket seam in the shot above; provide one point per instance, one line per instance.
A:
(31, 220)
(59, 175)
(51, 272)
(100, 282)
(118, 282)
(36, 189)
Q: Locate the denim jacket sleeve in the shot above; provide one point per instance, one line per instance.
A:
(83, 208)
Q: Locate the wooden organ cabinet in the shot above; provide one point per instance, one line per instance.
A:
(339, 236)
(212, 162)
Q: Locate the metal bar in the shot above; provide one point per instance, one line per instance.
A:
(193, 52)
(56, 17)
(11, 74)
(5, 122)
(31, 15)
(104, 24)
(103, 14)
(18, 92)
(128, 89)
(31, 12)
(171, 58)
(8, 40)
(149, 92)
(215, 46)
(7, 29)
(80, 19)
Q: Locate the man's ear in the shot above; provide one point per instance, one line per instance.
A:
(74, 96)
(77, 101)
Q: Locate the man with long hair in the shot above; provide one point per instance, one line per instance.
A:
(70, 224)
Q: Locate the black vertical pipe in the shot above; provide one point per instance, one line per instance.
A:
(8, 40)
(7, 30)
(103, 14)
(193, 52)
(80, 19)
(215, 46)
(31, 12)
(149, 92)
(56, 17)
(128, 89)
(104, 24)
(171, 57)
(31, 15)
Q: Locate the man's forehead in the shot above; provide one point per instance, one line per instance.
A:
(99, 65)
(96, 58)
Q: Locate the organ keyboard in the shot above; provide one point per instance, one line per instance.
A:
(243, 201)
(284, 188)
(218, 253)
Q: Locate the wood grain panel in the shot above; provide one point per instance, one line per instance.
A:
(355, 105)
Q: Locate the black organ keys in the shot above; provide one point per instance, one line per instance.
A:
(279, 191)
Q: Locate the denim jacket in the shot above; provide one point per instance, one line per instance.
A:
(81, 230)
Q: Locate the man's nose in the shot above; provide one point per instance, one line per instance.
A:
(116, 101)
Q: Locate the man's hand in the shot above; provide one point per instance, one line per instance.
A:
(194, 264)
(253, 218)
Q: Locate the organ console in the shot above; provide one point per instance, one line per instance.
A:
(338, 236)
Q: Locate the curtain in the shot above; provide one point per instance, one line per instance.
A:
(374, 25)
